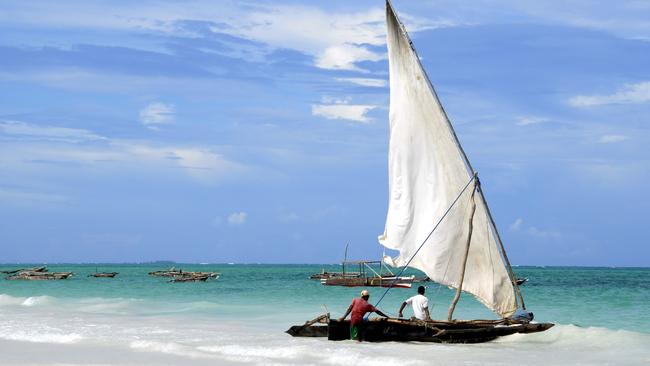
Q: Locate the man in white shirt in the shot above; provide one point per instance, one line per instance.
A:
(420, 305)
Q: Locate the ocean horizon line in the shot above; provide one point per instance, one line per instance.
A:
(174, 263)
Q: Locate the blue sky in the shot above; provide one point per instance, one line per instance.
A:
(256, 131)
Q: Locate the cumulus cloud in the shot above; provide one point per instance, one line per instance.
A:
(340, 109)
(629, 94)
(375, 83)
(237, 218)
(157, 113)
(335, 40)
(609, 139)
(344, 57)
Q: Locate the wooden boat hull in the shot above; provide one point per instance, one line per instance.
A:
(104, 274)
(325, 275)
(35, 276)
(405, 282)
(190, 279)
(34, 269)
(185, 275)
(402, 330)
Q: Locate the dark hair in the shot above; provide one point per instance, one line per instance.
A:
(421, 290)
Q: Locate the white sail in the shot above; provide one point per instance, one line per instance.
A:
(427, 172)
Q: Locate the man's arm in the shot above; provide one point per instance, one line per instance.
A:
(347, 312)
(381, 314)
(401, 308)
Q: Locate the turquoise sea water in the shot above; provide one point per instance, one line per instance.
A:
(142, 313)
(615, 298)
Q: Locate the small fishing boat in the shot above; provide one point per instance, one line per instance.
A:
(178, 275)
(521, 281)
(401, 330)
(34, 269)
(30, 275)
(191, 278)
(167, 273)
(104, 274)
(368, 274)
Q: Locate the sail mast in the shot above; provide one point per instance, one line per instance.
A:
(469, 241)
(468, 165)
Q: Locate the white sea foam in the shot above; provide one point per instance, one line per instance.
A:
(145, 330)
(8, 300)
(350, 357)
(572, 335)
(38, 300)
(257, 351)
(167, 348)
(41, 337)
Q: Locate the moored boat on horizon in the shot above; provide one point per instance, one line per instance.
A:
(104, 274)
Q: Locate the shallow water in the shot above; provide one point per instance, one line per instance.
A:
(602, 316)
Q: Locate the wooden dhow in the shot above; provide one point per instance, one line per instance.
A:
(103, 274)
(438, 218)
(178, 275)
(368, 274)
(39, 275)
(405, 330)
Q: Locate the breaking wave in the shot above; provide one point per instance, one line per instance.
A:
(41, 337)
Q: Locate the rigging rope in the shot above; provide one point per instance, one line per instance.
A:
(474, 177)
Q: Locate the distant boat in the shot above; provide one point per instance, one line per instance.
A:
(39, 274)
(103, 274)
(368, 274)
(34, 269)
(178, 275)
(438, 218)
(192, 278)
(521, 281)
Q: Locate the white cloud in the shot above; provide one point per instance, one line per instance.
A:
(340, 109)
(157, 113)
(543, 234)
(50, 133)
(609, 139)
(532, 231)
(344, 57)
(531, 120)
(516, 225)
(375, 83)
(629, 94)
(203, 164)
(334, 39)
(237, 218)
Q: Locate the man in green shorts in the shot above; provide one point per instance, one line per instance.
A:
(359, 308)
